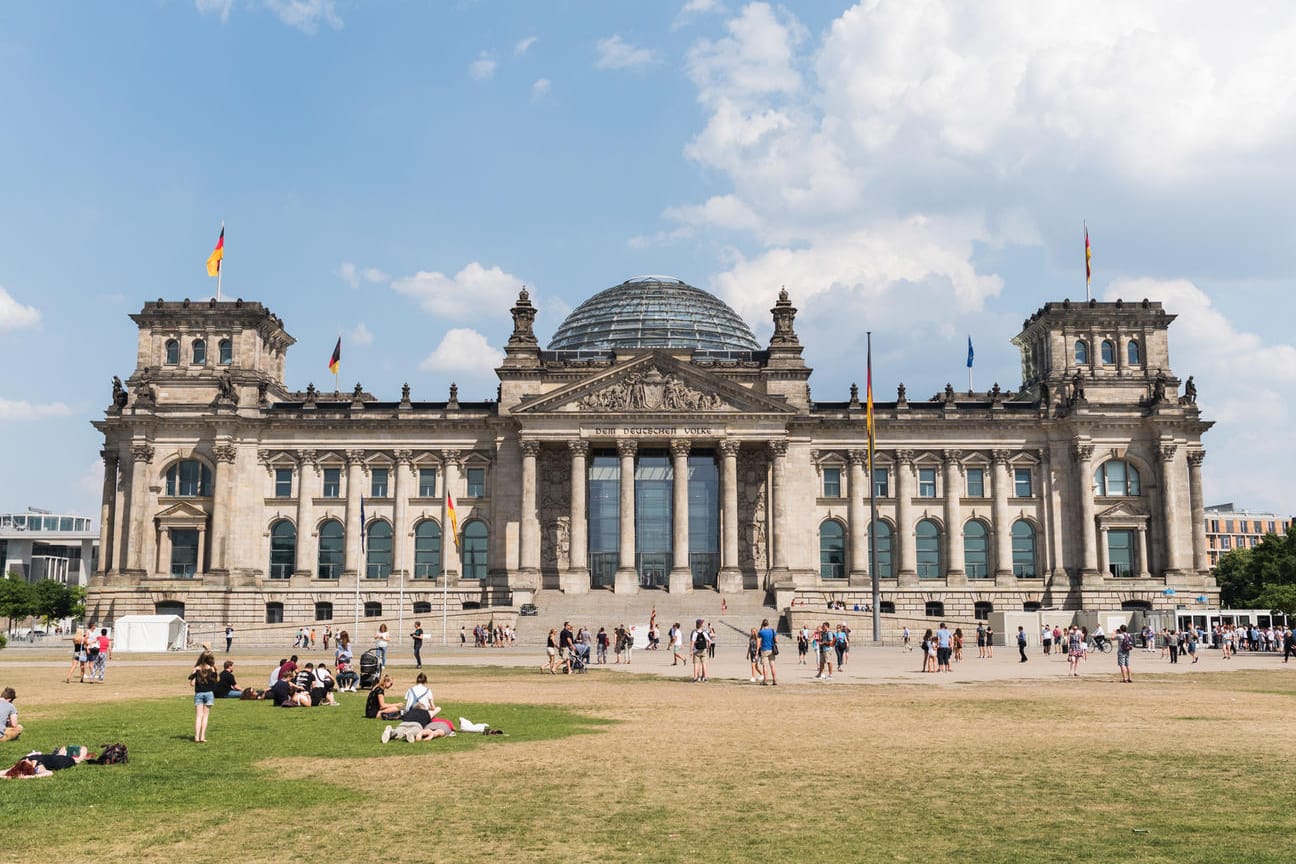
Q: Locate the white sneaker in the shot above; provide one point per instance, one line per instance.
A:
(752, 680)
(387, 733)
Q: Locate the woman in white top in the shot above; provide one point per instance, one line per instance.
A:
(418, 702)
(381, 640)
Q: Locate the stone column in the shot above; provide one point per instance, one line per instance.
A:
(162, 567)
(577, 578)
(954, 573)
(857, 515)
(450, 463)
(627, 575)
(681, 575)
(1201, 561)
(141, 457)
(1103, 563)
(1088, 530)
(402, 566)
(903, 540)
(202, 544)
(307, 542)
(1000, 481)
(353, 561)
(780, 540)
(529, 533)
(1142, 553)
(1170, 504)
(730, 578)
(106, 512)
(121, 514)
(222, 500)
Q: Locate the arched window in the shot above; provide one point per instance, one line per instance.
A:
(883, 550)
(378, 550)
(172, 352)
(188, 478)
(1023, 549)
(981, 610)
(1116, 478)
(225, 352)
(934, 609)
(976, 555)
(1081, 352)
(274, 612)
(323, 611)
(200, 352)
(373, 610)
(1132, 351)
(1108, 352)
(422, 607)
(475, 544)
(427, 550)
(283, 549)
(169, 607)
(928, 546)
(832, 550)
(332, 546)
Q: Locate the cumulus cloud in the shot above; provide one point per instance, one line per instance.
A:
(465, 353)
(483, 68)
(306, 15)
(11, 409)
(353, 275)
(463, 296)
(615, 53)
(14, 315)
(524, 45)
(360, 335)
(540, 89)
(695, 9)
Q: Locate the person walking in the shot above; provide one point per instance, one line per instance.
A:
(1124, 647)
(1046, 639)
(944, 648)
(803, 645)
(989, 642)
(1021, 643)
(417, 635)
(229, 637)
(676, 636)
(1075, 651)
(827, 649)
(768, 651)
(381, 640)
(701, 641)
(102, 654)
(204, 677)
(906, 639)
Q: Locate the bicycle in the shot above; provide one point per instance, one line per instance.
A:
(1103, 646)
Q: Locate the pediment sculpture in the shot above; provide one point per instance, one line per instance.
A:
(650, 390)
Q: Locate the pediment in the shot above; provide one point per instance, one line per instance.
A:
(1121, 511)
(655, 383)
(182, 511)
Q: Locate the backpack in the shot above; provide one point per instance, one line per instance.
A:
(1127, 643)
(111, 754)
(700, 641)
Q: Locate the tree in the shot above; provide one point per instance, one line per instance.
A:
(1245, 574)
(1278, 598)
(55, 600)
(17, 598)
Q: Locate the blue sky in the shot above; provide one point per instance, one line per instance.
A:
(395, 171)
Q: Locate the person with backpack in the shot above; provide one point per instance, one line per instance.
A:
(1124, 646)
(701, 640)
(768, 651)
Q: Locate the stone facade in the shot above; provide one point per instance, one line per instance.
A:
(231, 498)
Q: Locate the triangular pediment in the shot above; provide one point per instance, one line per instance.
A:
(182, 512)
(655, 383)
(1121, 510)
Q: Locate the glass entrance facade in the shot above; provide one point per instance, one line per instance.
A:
(604, 497)
(704, 519)
(654, 487)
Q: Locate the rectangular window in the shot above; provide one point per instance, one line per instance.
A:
(378, 483)
(1228, 526)
(283, 482)
(332, 482)
(1022, 482)
(976, 482)
(832, 482)
(476, 483)
(1272, 528)
(1120, 553)
(926, 482)
(427, 482)
(1225, 542)
(184, 553)
(881, 483)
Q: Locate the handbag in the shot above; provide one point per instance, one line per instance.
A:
(774, 650)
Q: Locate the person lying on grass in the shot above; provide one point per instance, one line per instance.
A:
(437, 727)
(36, 764)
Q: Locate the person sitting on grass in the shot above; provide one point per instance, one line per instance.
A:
(419, 707)
(9, 727)
(322, 686)
(377, 706)
(286, 694)
(226, 685)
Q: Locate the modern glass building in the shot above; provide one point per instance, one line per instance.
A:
(40, 545)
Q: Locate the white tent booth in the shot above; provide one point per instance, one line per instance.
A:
(150, 633)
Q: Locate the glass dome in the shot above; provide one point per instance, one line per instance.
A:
(653, 312)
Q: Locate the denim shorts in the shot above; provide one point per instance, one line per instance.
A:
(208, 699)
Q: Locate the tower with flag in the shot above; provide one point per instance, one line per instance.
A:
(214, 261)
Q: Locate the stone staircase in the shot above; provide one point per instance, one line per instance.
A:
(597, 609)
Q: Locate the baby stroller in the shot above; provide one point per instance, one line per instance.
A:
(578, 658)
(370, 670)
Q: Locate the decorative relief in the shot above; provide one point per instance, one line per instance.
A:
(579, 447)
(753, 509)
(142, 452)
(530, 447)
(1167, 452)
(650, 390)
(110, 458)
(681, 447)
(857, 457)
(905, 457)
(1083, 452)
(778, 447)
(952, 457)
(555, 512)
(402, 457)
(452, 457)
(1196, 457)
(355, 457)
(730, 447)
(627, 447)
(308, 457)
(225, 452)
(1000, 457)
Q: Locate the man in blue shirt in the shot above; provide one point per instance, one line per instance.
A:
(768, 641)
(944, 641)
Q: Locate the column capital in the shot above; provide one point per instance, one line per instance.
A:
(730, 446)
(857, 457)
(1167, 452)
(110, 457)
(778, 447)
(905, 457)
(1083, 452)
(627, 447)
(355, 457)
(1195, 457)
(952, 457)
(402, 457)
(530, 447)
(225, 452)
(579, 447)
(308, 458)
(1001, 457)
(452, 457)
(681, 447)
(142, 452)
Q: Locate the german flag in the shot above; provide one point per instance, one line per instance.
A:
(454, 517)
(1088, 257)
(336, 358)
(214, 259)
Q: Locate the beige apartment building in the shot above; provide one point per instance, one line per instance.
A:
(653, 445)
(1230, 527)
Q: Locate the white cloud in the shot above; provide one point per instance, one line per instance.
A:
(14, 315)
(91, 481)
(463, 296)
(540, 89)
(463, 352)
(695, 9)
(11, 409)
(483, 68)
(220, 8)
(360, 335)
(615, 53)
(353, 275)
(524, 45)
(306, 15)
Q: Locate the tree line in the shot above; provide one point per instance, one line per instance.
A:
(47, 599)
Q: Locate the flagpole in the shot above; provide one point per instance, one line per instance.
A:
(360, 570)
(220, 268)
(872, 539)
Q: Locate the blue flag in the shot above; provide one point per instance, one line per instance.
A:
(969, 352)
(362, 525)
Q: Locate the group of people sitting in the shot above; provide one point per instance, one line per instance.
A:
(417, 716)
(301, 686)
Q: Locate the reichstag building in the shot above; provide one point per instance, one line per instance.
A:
(654, 445)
